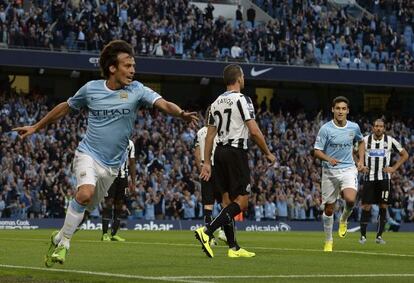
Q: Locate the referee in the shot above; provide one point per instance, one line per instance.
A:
(377, 169)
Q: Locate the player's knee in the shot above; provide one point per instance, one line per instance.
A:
(84, 197)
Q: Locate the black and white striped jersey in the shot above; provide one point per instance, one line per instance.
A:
(130, 151)
(378, 156)
(228, 114)
(200, 141)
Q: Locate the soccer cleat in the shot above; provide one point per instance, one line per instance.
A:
(328, 246)
(59, 255)
(105, 238)
(380, 240)
(343, 229)
(362, 240)
(52, 247)
(222, 236)
(116, 238)
(240, 253)
(204, 239)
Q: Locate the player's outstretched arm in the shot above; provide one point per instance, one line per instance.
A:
(55, 114)
(174, 110)
(257, 136)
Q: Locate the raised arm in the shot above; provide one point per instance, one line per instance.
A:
(55, 114)
(174, 110)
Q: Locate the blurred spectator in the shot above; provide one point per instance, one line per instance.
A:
(309, 33)
(251, 15)
(239, 14)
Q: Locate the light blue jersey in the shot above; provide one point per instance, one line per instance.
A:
(111, 118)
(337, 142)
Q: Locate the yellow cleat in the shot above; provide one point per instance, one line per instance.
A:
(116, 238)
(204, 240)
(343, 229)
(52, 246)
(328, 246)
(105, 238)
(240, 253)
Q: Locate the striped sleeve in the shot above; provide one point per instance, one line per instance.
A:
(131, 149)
(197, 139)
(396, 146)
(246, 108)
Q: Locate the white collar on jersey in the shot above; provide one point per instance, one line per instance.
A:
(336, 126)
(106, 87)
(229, 92)
(375, 140)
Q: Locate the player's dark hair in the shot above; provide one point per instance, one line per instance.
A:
(109, 55)
(339, 99)
(231, 74)
(379, 120)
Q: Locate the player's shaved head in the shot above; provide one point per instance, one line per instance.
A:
(231, 74)
(109, 55)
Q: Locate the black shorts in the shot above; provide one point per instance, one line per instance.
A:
(117, 189)
(232, 172)
(376, 192)
(209, 190)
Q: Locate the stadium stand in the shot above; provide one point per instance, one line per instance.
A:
(308, 33)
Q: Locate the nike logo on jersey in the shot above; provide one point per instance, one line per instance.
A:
(255, 73)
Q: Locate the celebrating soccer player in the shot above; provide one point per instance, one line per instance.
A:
(111, 105)
(334, 146)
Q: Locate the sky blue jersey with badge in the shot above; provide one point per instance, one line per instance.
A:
(111, 118)
(337, 142)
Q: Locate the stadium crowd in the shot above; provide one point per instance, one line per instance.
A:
(302, 32)
(36, 178)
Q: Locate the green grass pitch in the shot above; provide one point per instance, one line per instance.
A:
(176, 256)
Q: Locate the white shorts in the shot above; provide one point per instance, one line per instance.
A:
(336, 180)
(90, 172)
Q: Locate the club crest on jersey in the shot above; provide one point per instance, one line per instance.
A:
(351, 135)
(123, 96)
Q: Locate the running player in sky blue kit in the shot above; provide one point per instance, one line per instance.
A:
(334, 146)
(111, 105)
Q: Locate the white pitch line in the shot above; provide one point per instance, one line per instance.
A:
(191, 278)
(369, 275)
(197, 245)
(106, 274)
